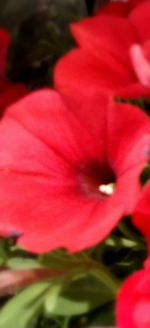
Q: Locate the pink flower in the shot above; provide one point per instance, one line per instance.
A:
(113, 53)
(68, 173)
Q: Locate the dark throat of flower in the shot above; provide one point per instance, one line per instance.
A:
(96, 179)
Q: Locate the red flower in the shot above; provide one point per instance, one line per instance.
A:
(113, 53)
(4, 43)
(57, 167)
(9, 92)
(141, 217)
(119, 7)
(133, 302)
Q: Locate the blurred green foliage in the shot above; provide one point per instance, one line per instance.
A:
(40, 35)
(82, 295)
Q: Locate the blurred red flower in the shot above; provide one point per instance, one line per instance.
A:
(4, 43)
(113, 52)
(58, 168)
(133, 302)
(118, 7)
(141, 217)
(9, 92)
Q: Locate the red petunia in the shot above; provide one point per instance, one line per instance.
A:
(58, 166)
(113, 52)
(119, 7)
(141, 217)
(9, 92)
(133, 301)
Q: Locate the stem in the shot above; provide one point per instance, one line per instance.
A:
(101, 272)
(107, 278)
(66, 322)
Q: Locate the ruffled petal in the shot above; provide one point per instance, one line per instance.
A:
(113, 34)
(79, 71)
(140, 18)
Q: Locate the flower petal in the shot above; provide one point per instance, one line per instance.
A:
(113, 34)
(79, 70)
(133, 301)
(128, 143)
(141, 217)
(140, 18)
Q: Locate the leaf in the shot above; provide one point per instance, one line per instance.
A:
(21, 309)
(23, 263)
(60, 259)
(104, 317)
(78, 297)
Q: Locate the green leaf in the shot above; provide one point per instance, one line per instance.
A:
(104, 316)
(20, 310)
(23, 263)
(78, 297)
(60, 259)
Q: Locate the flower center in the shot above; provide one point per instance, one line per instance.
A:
(97, 179)
(107, 189)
